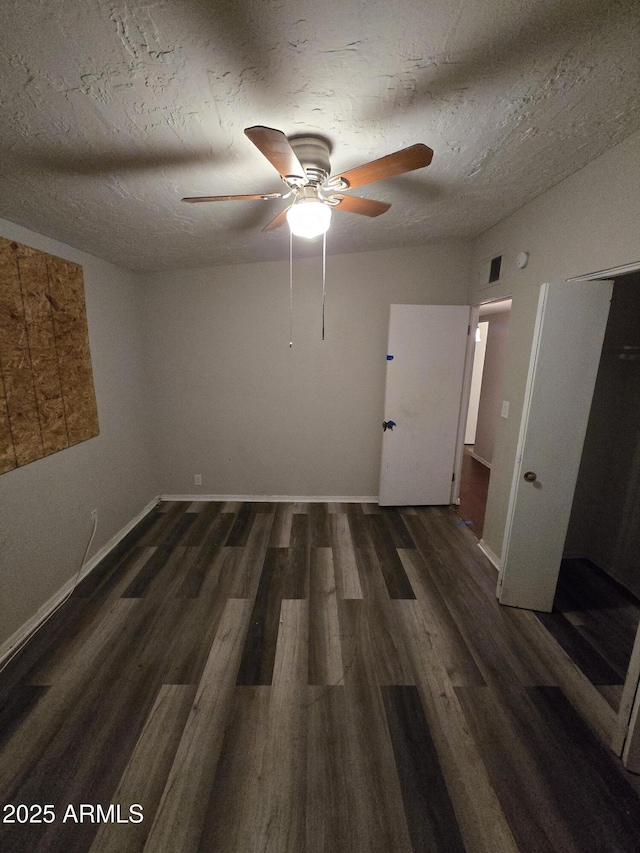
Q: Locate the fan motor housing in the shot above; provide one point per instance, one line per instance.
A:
(313, 154)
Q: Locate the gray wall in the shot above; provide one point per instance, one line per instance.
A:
(491, 388)
(232, 401)
(605, 517)
(587, 222)
(45, 518)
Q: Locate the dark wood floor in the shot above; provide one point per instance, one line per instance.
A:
(595, 620)
(306, 677)
(474, 487)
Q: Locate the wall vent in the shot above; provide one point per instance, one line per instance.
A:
(494, 270)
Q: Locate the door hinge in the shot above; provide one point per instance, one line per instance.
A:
(453, 477)
(468, 330)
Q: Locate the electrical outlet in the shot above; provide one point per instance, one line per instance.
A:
(197, 479)
(94, 514)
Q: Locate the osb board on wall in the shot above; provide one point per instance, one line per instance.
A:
(47, 400)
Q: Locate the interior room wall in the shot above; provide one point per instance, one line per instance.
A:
(605, 517)
(45, 521)
(234, 403)
(491, 388)
(587, 222)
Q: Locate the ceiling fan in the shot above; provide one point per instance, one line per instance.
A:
(303, 164)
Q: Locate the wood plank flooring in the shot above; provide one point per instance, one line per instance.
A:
(474, 487)
(595, 620)
(305, 678)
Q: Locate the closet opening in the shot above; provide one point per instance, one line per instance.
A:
(597, 604)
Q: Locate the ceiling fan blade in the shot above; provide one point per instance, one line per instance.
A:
(277, 221)
(256, 196)
(365, 206)
(415, 157)
(276, 148)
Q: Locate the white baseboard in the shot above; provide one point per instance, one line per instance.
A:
(496, 561)
(343, 499)
(481, 460)
(31, 625)
(111, 544)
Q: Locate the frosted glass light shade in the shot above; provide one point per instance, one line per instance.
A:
(309, 217)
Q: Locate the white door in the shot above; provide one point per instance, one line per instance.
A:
(568, 336)
(425, 369)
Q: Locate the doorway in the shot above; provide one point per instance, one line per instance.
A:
(597, 604)
(485, 403)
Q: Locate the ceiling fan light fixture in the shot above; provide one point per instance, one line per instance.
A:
(308, 216)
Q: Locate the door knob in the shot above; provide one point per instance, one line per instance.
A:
(531, 476)
(388, 425)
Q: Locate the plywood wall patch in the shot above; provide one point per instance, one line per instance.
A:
(47, 399)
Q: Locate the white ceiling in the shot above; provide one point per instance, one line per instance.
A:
(111, 111)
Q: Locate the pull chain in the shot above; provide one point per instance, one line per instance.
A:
(290, 288)
(324, 277)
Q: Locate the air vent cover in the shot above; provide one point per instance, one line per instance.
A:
(494, 272)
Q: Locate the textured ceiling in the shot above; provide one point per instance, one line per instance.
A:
(112, 111)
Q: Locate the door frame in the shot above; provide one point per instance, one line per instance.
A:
(464, 405)
(466, 394)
